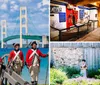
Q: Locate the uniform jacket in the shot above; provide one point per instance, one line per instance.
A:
(29, 61)
(12, 55)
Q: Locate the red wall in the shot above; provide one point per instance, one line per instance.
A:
(76, 15)
(69, 19)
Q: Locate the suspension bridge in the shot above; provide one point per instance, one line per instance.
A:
(14, 78)
(23, 25)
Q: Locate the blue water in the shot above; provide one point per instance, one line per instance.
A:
(25, 73)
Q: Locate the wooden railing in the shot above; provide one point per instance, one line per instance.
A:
(9, 76)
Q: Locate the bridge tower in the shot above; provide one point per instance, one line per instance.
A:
(3, 32)
(44, 40)
(23, 24)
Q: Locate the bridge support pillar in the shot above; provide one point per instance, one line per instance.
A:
(3, 32)
(23, 23)
(44, 41)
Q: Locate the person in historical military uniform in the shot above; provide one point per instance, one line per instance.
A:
(16, 59)
(33, 62)
(83, 68)
(2, 67)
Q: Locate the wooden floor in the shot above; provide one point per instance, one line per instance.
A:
(92, 36)
(69, 35)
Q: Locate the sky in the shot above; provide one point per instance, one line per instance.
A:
(38, 16)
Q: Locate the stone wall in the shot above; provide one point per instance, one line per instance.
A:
(67, 56)
(67, 52)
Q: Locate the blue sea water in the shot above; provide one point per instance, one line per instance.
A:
(25, 73)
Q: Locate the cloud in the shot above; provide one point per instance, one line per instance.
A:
(45, 2)
(12, 26)
(14, 7)
(15, 20)
(10, 12)
(34, 11)
(41, 5)
(25, 1)
(3, 1)
(4, 16)
(12, 2)
(22, 0)
(42, 17)
(43, 9)
(39, 29)
(46, 15)
(3, 6)
(43, 26)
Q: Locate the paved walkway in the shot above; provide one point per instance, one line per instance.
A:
(86, 81)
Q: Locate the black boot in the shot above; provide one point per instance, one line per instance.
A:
(33, 82)
(10, 84)
(36, 83)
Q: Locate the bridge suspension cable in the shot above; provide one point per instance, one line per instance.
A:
(34, 27)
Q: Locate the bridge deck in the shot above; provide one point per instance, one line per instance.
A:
(31, 37)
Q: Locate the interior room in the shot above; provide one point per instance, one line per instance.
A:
(75, 20)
